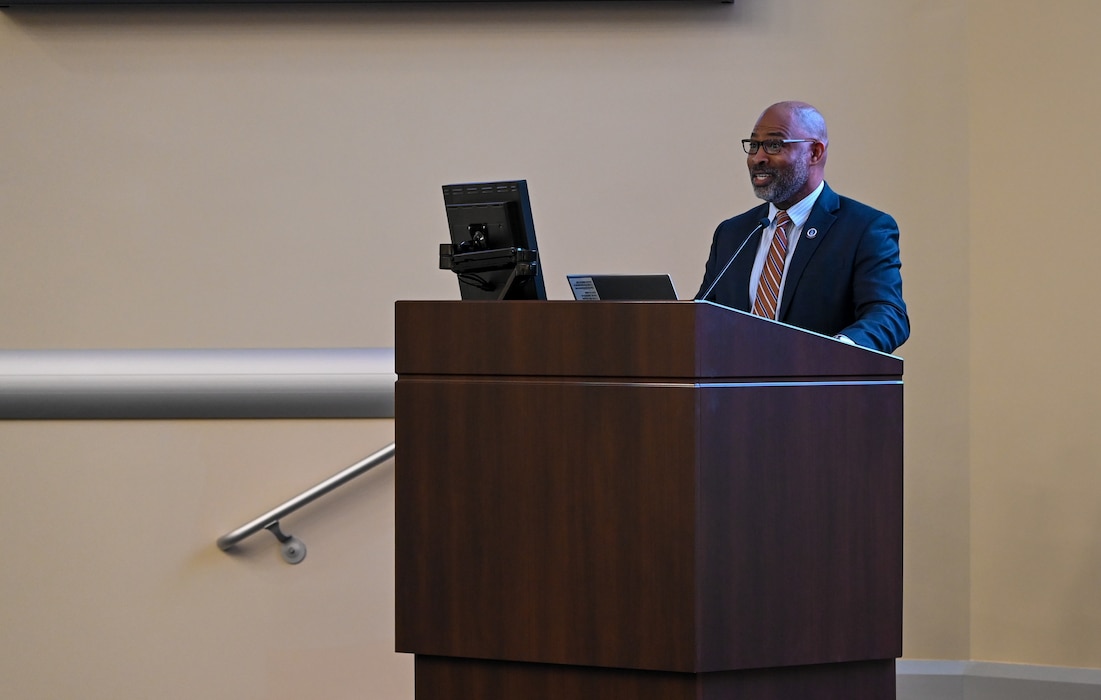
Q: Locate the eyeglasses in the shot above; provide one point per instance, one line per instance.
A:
(772, 146)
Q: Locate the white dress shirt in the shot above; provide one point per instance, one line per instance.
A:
(798, 213)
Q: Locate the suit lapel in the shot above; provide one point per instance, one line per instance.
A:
(822, 216)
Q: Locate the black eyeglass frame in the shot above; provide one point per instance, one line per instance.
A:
(772, 146)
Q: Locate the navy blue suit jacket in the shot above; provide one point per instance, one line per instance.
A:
(844, 280)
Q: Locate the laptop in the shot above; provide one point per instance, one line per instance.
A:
(622, 287)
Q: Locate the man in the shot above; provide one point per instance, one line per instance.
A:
(822, 262)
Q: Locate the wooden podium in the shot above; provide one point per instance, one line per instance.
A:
(644, 500)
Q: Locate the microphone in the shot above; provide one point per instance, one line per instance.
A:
(763, 223)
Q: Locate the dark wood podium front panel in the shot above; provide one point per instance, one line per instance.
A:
(669, 501)
(573, 545)
(687, 528)
(800, 524)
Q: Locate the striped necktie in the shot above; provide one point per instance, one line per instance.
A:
(768, 289)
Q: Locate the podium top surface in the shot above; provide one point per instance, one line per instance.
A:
(673, 340)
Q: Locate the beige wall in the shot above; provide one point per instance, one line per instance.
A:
(1035, 392)
(113, 588)
(270, 178)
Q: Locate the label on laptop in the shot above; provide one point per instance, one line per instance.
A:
(584, 289)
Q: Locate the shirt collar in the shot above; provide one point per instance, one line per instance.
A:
(800, 211)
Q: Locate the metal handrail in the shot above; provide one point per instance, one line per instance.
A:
(294, 550)
(182, 384)
(214, 383)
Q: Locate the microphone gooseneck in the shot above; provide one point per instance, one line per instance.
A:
(763, 223)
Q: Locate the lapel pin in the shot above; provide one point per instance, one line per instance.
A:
(811, 233)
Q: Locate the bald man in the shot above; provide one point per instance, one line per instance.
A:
(811, 258)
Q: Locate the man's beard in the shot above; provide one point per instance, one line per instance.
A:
(786, 182)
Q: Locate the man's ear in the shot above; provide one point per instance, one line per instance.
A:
(817, 153)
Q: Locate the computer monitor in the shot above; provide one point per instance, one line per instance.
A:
(492, 251)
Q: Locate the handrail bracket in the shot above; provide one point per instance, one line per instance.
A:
(294, 549)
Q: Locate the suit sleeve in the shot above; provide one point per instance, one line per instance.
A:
(881, 319)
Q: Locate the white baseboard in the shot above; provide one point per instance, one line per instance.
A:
(986, 680)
